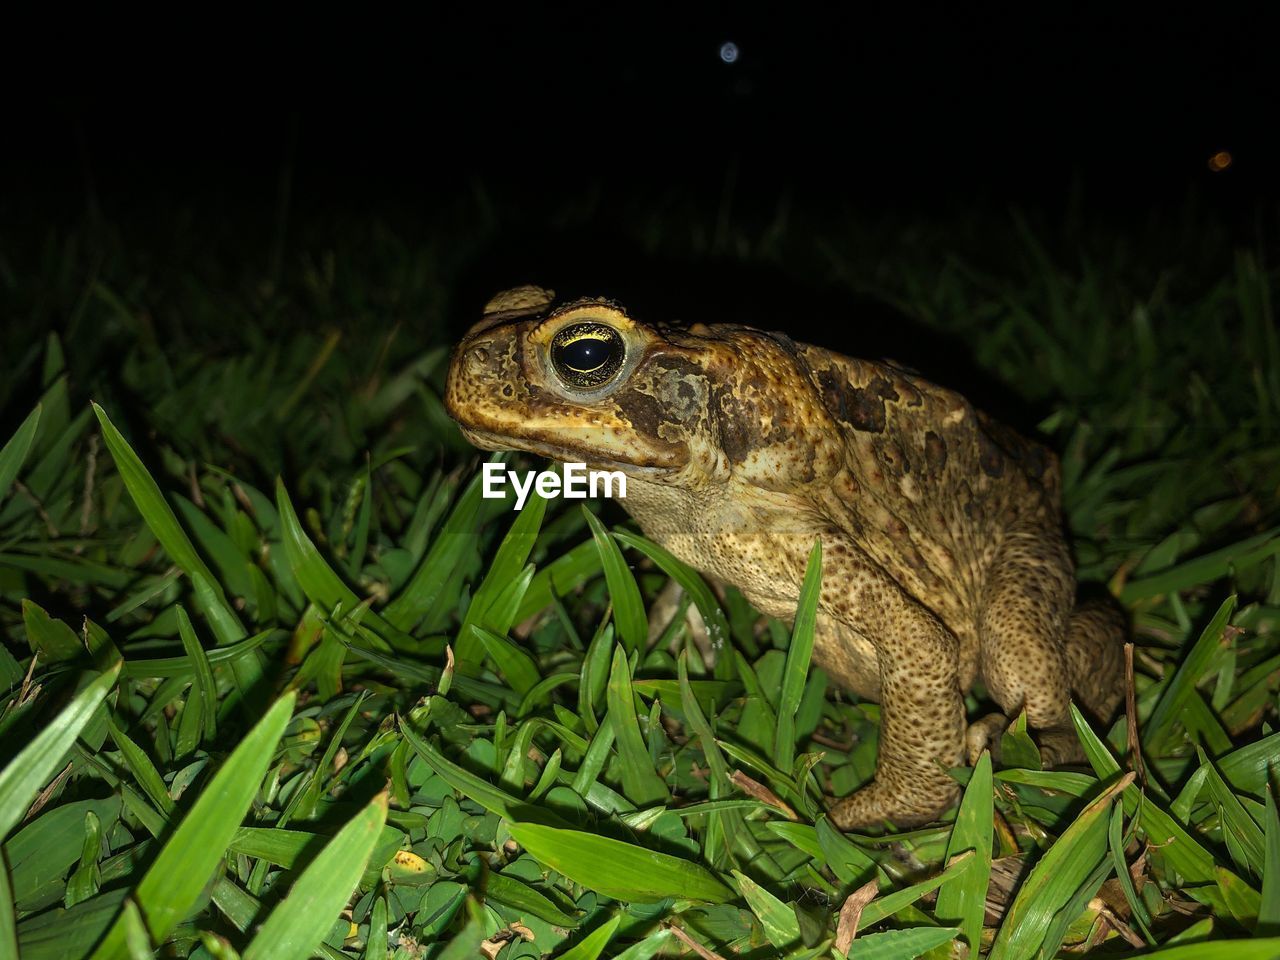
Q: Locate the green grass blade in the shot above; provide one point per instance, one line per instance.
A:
(273, 844)
(136, 940)
(517, 759)
(904, 944)
(1247, 768)
(851, 865)
(1243, 903)
(466, 944)
(1203, 569)
(517, 666)
(799, 653)
(87, 876)
(640, 782)
(616, 869)
(628, 608)
(1243, 836)
(304, 917)
(1158, 730)
(777, 919)
(501, 615)
(1269, 909)
(468, 784)
(204, 675)
(592, 945)
(8, 923)
(160, 519)
(717, 768)
(197, 847)
(14, 453)
(318, 581)
(1017, 748)
(424, 589)
(541, 691)
(559, 578)
(595, 674)
(185, 666)
(521, 896)
(156, 512)
(376, 948)
(143, 770)
(688, 578)
(28, 772)
(309, 797)
(53, 470)
(649, 947)
(52, 639)
(1267, 949)
(355, 560)
(1178, 847)
(890, 903)
(1116, 841)
(962, 898)
(508, 562)
(1054, 880)
(59, 934)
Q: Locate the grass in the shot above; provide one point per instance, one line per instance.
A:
(279, 683)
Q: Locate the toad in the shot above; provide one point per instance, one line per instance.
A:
(944, 560)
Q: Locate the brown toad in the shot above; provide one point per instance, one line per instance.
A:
(943, 554)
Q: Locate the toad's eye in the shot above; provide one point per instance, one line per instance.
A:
(586, 355)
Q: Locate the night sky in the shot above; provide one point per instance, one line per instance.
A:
(913, 111)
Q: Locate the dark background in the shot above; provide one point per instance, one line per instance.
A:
(257, 128)
(906, 110)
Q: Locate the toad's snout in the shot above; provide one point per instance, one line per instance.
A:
(482, 374)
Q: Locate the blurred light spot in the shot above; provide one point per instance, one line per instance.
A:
(729, 52)
(1220, 161)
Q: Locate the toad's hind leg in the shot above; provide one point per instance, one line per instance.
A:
(1023, 631)
(922, 711)
(1095, 657)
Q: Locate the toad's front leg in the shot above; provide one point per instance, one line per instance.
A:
(922, 709)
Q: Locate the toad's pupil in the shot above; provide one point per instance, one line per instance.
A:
(586, 354)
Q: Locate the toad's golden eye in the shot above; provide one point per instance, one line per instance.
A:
(587, 355)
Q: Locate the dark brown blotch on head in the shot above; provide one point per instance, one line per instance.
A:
(663, 362)
(749, 420)
(646, 413)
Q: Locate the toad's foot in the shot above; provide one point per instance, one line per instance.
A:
(873, 805)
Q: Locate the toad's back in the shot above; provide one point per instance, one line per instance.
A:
(931, 484)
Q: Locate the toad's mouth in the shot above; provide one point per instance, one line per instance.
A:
(594, 459)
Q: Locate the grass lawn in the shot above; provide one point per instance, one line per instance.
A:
(279, 683)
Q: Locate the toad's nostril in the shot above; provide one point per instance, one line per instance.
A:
(478, 355)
